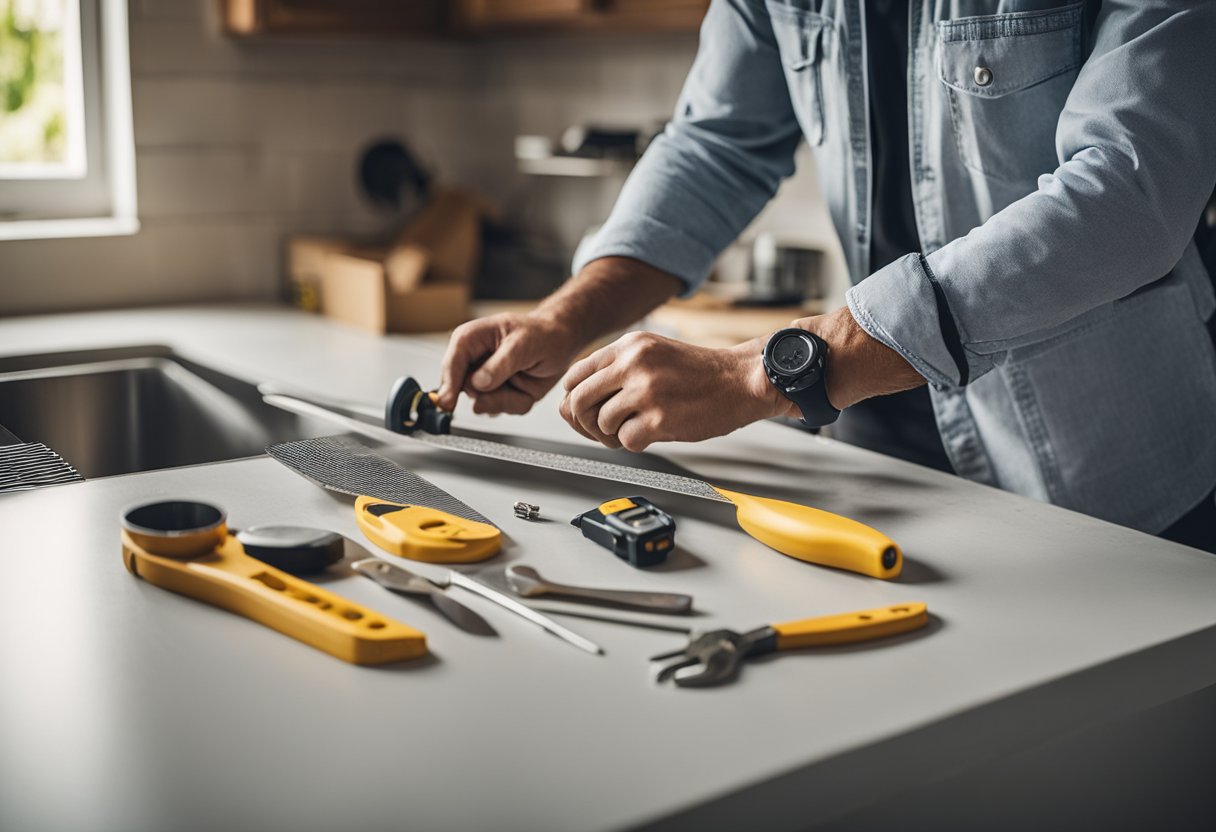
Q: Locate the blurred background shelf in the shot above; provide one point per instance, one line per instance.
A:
(575, 166)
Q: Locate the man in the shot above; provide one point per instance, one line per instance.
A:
(1018, 188)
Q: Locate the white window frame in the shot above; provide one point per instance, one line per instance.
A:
(102, 202)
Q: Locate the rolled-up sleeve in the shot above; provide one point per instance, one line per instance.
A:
(1136, 142)
(720, 160)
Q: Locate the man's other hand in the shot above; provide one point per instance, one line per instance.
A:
(505, 362)
(644, 388)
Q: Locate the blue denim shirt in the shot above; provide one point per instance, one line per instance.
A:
(1061, 155)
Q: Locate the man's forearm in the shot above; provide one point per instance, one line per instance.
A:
(606, 295)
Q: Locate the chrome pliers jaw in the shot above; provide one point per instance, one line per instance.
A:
(713, 658)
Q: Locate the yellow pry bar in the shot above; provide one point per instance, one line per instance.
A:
(227, 577)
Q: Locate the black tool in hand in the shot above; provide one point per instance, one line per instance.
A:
(410, 408)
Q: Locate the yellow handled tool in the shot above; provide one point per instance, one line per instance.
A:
(428, 534)
(798, 531)
(185, 547)
(802, 532)
(815, 535)
(849, 627)
(714, 657)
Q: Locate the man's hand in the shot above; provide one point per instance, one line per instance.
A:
(505, 362)
(644, 388)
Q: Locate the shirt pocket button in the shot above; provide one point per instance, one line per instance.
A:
(983, 76)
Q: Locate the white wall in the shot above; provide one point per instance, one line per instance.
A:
(239, 144)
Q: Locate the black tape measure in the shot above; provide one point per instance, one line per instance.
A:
(633, 528)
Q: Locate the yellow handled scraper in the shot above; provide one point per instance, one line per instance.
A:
(398, 510)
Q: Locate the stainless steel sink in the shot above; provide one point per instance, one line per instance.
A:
(138, 409)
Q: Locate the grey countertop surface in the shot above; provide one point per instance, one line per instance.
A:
(125, 707)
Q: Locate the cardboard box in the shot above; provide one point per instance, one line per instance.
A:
(356, 289)
(305, 267)
(448, 230)
(421, 282)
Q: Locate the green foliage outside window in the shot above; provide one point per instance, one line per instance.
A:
(33, 117)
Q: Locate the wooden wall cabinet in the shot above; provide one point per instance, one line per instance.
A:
(505, 16)
(435, 18)
(491, 14)
(334, 17)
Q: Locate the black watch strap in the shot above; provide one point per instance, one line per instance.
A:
(817, 411)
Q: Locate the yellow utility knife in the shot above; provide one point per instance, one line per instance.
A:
(185, 547)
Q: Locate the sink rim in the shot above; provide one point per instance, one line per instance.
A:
(96, 368)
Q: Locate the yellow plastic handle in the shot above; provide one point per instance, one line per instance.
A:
(852, 626)
(427, 534)
(817, 536)
(227, 577)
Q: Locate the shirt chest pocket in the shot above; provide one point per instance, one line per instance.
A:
(1006, 79)
(802, 37)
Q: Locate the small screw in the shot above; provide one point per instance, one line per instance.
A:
(527, 511)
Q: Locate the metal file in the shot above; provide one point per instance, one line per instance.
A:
(802, 532)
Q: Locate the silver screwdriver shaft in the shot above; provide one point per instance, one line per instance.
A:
(507, 602)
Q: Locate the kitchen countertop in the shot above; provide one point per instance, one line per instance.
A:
(125, 707)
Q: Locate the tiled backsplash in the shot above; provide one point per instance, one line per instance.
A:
(239, 144)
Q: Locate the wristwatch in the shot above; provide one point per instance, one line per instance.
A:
(794, 361)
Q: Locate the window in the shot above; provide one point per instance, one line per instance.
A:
(67, 156)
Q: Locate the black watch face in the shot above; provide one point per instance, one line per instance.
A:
(793, 353)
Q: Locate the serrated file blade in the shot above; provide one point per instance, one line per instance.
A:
(474, 446)
(341, 464)
(675, 483)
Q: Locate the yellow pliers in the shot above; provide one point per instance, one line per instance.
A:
(720, 652)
